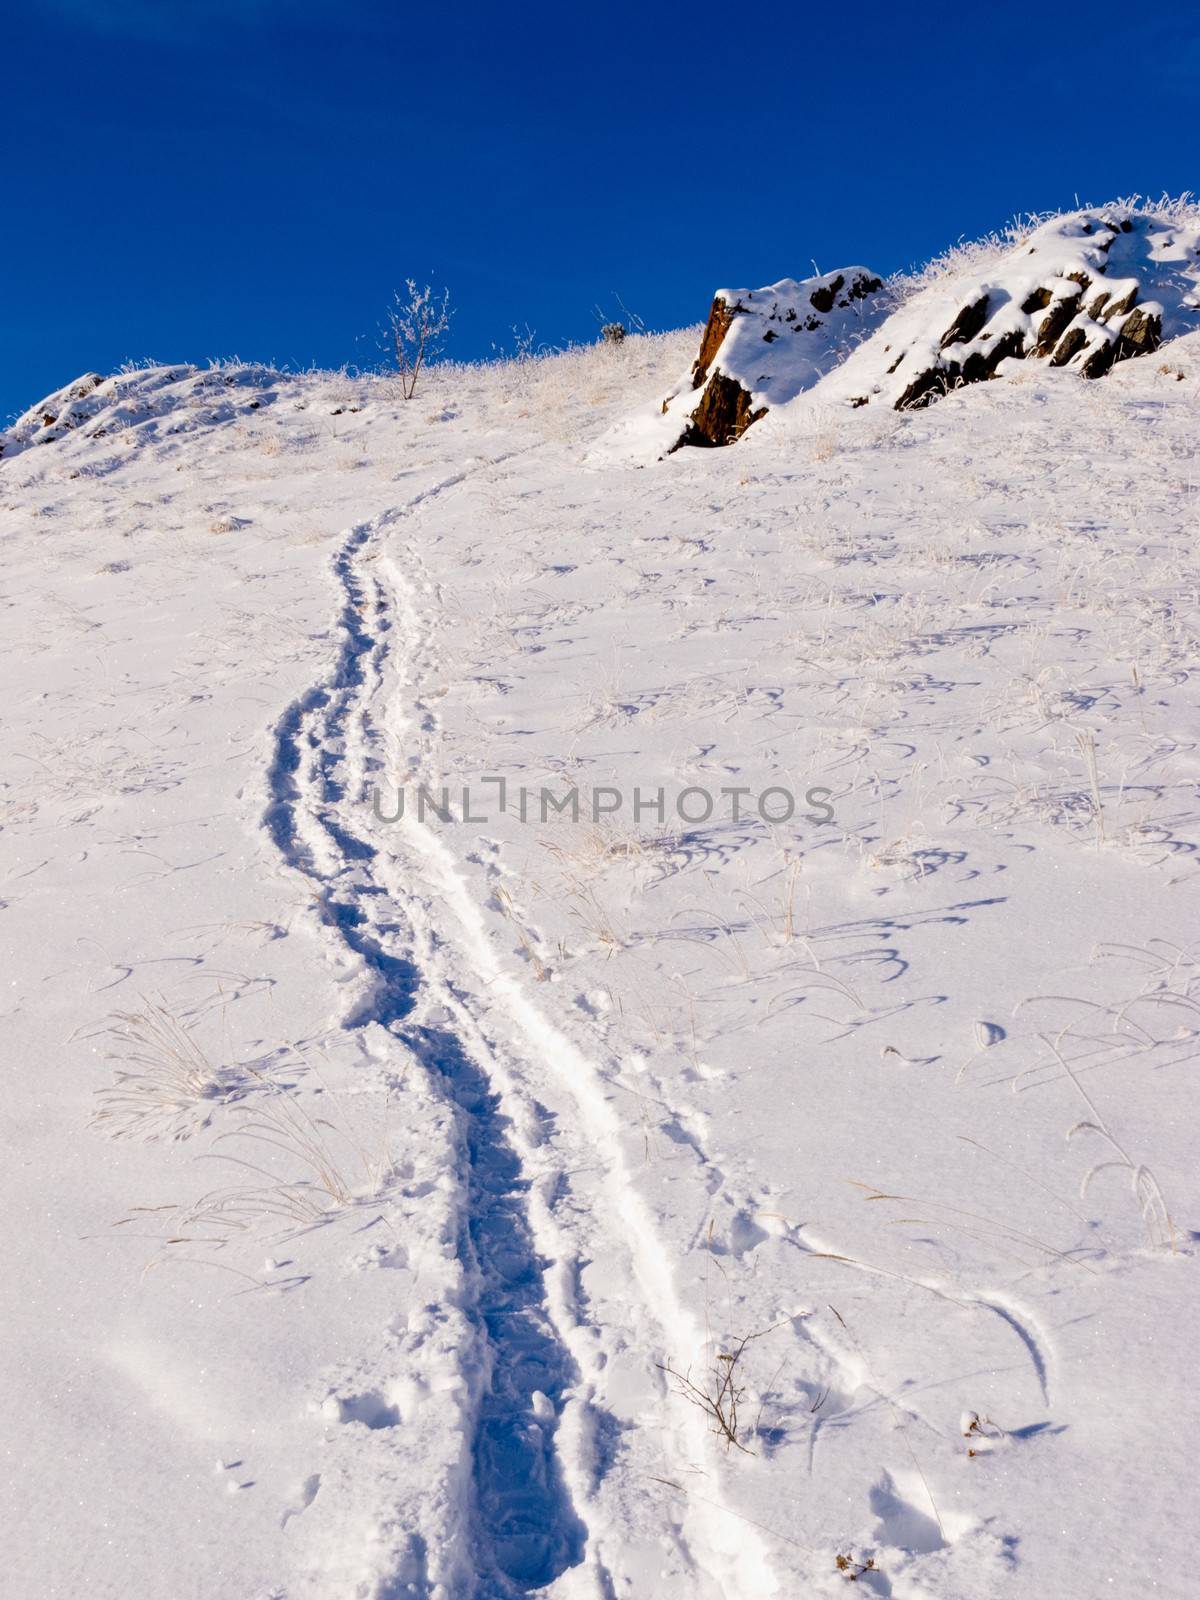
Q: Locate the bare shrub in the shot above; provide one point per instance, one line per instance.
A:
(418, 327)
(721, 1392)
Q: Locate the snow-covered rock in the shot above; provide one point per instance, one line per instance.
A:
(180, 397)
(1082, 291)
(65, 408)
(763, 347)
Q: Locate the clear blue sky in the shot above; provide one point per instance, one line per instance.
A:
(254, 177)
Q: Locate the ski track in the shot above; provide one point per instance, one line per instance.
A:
(542, 1439)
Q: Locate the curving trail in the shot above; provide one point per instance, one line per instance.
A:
(541, 1168)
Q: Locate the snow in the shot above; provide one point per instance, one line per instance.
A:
(378, 1188)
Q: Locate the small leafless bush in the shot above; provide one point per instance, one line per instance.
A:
(721, 1393)
(418, 327)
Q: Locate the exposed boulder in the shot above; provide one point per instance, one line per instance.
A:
(763, 347)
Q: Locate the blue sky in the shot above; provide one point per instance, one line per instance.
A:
(254, 177)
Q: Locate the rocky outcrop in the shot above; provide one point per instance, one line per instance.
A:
(762, 347)
(54, 415)
(720, 320)
(96, 406)
(1081, 292)
(725, 411)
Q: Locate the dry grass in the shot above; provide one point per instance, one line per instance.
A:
(295, 1169)
(304, 1169)
(505, 901)
(721, 1393)
(165, 1084)
(1143, 1184)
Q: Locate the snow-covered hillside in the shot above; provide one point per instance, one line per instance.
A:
(391, 1199)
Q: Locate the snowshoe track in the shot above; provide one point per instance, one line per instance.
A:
(558, 1482)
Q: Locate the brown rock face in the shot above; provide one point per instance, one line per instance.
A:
(723, 414)
(966, 324)
(1141, 334)
(720, 320)
(1060, 313)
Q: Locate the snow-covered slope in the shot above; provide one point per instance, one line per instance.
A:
(175, 399)
(385, 1194)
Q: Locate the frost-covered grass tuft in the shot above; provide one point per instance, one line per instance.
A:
(293, 1169)
(303, 1168)
(164, 1081)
